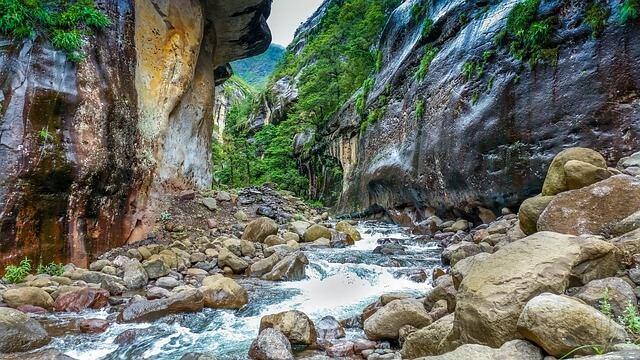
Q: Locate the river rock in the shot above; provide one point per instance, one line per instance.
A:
(626, 225)
(316, 232)
(85, 298)
(259, 229)
(264, 266)
(560, 324)
(595, 209)
(19, 333)
(30, 309)
(94, 326)
(232, 244)
(349, 229)
(629, 243)
(290, 268)
(227, 258)
(457, 252)
(247, 248)
(632, 353)
(224, 293)
(150, 310)
(329, 328)
(135, 276)
(386, 322)
(291, 236)
(27, 296)
(530, 212)
(167, 282)
(428, 340)
(512, 350)
(95, 277)
(579, 174)
(155, 267)
(519, 271)
(464, 266)
(272, 240)
(299, 227)
(620, 294)
(271, 344)
(555, 181)
(295, 325)
(197, 356)
(341, 350)
(444, 290)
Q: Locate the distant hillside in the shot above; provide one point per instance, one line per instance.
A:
(256, 70)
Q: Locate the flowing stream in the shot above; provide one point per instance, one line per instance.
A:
(340, 282)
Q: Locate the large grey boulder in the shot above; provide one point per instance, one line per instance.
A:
(560, 324)
(271, 344)
(19, 333)
(512, 350)
(428, 341)
(135, 276)
(620, 293)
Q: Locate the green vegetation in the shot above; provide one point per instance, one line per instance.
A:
(373, 117)
(15, 274)
(430, 53)
(52, 269)
(605, 303)
(64, 23)
(419, 11)
(427, 27)
(598, 349)
(420, 110)
(629, 11)
(529, 36)
(256, 70)
(630, 319)
(361, 99)
(596, 17)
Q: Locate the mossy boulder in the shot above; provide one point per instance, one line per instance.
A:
(349, 229)
(556, 181)
(530, 212)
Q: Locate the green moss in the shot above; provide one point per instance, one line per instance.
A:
(630, 11)
(529, 37)
(418, 11)
(429, 54)
(596, 17)
(420, 110)
(463, 19)
(474, 97)
(65, 23)
(427, 27)
(468, 68)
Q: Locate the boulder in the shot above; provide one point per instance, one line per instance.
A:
(299, 227)
(444, 290)
(210, 203)
(428, 340)
(560, 324)
(99, 265)
(627, 354)
(316, 232)
(167, 282)
(595, 209)
(329, 328)
(227, 258)
(272, 240)
(295, 325)
(271, 344)
(530, 212)
(464, 266)
(197, 356)
(512, 350)
(40, 355)
(19, 333)
(263, 266)
(626, 225)
(386, 322)
(519, 271)
(579, 174)
(224, 293)
(457, 252)
(290, 236)
(555, 181)
(94, 326)
(85, 298)
(628, 243)
(27, 296)
(30, 309)
(341, 350)
(155, 267)
(348, 229)
(247, 248)
(620, 293)
(290, 268)
(95, 277)
(135, 276)
(150, 310)
(259, 229)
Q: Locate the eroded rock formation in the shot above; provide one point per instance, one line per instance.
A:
(88, 151)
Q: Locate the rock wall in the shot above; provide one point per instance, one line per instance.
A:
(478, 145)
(88, 152)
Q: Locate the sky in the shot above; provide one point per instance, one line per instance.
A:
(286, 16)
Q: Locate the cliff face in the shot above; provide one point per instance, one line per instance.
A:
(484, 142)
(88, 151)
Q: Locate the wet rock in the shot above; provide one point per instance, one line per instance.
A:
(428, 340)
(386, 322)
(329, 328)
(295, 325)
(348, 229)
(271, 344)
(315, 232)
(197, 356)
(27, 296)
(259, 229)
(619, 291)
(155, 268)
(151, 310)
(390, 249)
(227, 258)
(19, 333)
(157, 293)
(530, 212)
(339, 350)
(262, 267)
(94, 326)
(555, 181)
(135, 276)
(515, 349)
(457, 252)
(340, 240)
(594, 209)
(85, 298)
(519, 271)
(290, 268)
(30, 309)
(126, 337)
(559, 325)
(224, 293)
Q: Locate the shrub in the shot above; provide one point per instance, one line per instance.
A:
(427, 26)
(429, 54)
(52, 269)
(596, 17)
(529, 38)
(630, 318)
(629, 11)
(605, 303)
(15, 274)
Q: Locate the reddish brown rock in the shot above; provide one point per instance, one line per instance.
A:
(341, 350)
(86, 298)
(30, 309)
(94, 326)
